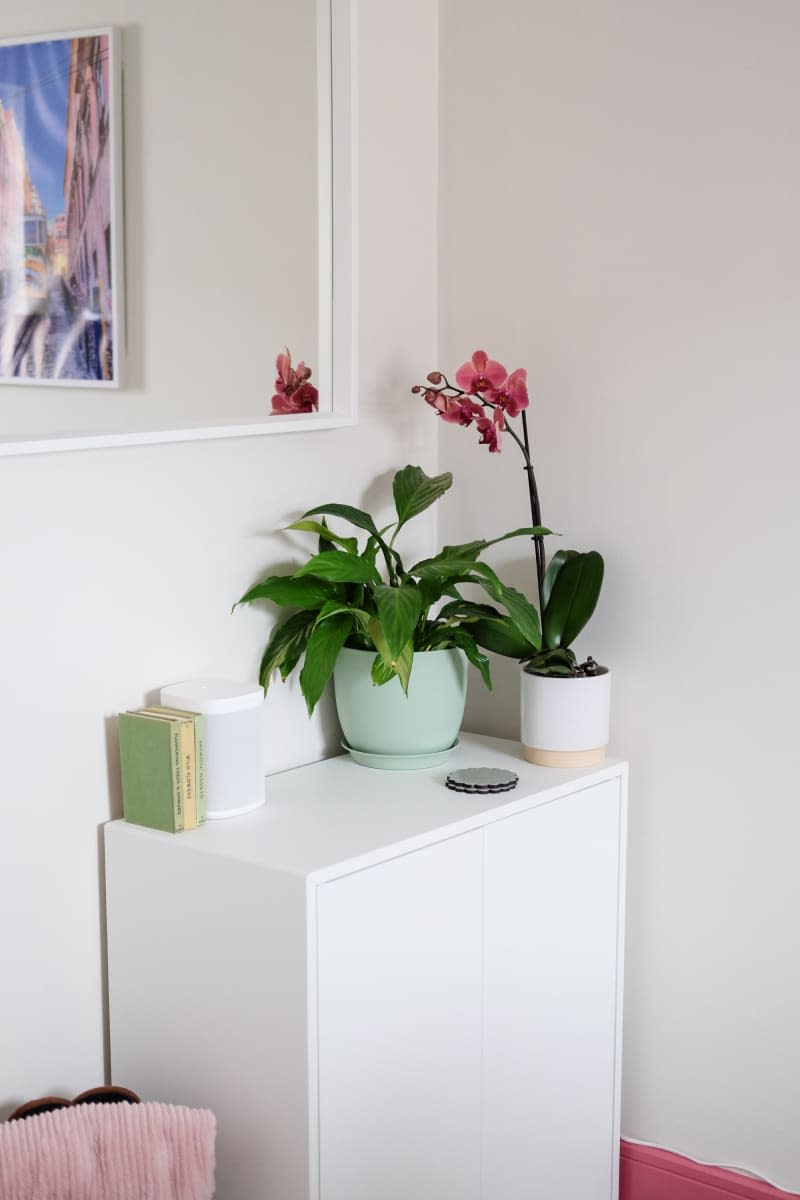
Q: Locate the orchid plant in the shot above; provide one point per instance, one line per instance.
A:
(293, 392)
(487, 396)
(363, 596)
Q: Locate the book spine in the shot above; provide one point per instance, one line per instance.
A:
(200, 766)
(188, 773)
(177, 774)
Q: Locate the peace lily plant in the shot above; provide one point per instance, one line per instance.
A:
(487, 397)
(361, 595)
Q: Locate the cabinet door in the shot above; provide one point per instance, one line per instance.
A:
(552, 888)
(399, 1027)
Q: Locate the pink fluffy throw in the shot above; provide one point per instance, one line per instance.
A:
(109, 1152)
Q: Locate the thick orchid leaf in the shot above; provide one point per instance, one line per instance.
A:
(350, 544)
(340, 567)
(290, 592)
(554, 566)
(285, 646)
(322, 650)
(400, 664)
(573, 597)
(399, 609)
(414, 491)
(559, 662)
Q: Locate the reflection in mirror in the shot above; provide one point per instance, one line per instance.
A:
(239, 235)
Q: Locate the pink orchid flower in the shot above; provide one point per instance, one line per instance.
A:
(490, 431)
(294, 394)
(455, 410)
(512, 395)
(481, 374)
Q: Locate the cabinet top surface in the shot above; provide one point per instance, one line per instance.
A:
(334, 816)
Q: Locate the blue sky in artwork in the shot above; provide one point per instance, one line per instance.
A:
(33, 82)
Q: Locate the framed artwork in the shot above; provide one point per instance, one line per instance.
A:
(61, 320)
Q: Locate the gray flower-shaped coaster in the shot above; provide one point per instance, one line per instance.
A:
(481, 780)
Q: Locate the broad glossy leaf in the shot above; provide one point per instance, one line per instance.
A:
(442, 568)
(501, 636)
(401, 664)
(573, 597)
(322, 650)
(414, 491)
(332, 607)
(285, 646)
(355, 516)
(350, 544)
(380, 673)
(340, 567)
(470, 647)
(291, 592)
(399, 609)
(522, 613)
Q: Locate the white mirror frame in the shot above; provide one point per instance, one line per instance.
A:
(337, 192)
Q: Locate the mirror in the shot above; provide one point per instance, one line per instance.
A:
(239, 231)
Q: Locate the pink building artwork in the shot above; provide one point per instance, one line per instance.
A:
(58, 217)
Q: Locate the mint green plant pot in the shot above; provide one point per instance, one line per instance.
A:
(384, 721)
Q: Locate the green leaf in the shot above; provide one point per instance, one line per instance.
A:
(400, 664)
(462, 556)
(442, 567)
(468, 644)
(340, 567)
(357, 615)
(355, 516)
(285, 646)
(399, 609)
(380, 673)
(552, 662)
(522, 613)
(501, 636)
(322, 650)
(414, 491)
(573, 597)
(350, 544)
(290, 592)
(554, 566)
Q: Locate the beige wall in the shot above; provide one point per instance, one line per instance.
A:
(620, 186)
(103, 600)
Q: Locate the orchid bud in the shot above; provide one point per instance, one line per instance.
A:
(415, 391)
(435, 377)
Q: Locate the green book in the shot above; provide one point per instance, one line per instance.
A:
(150, 759)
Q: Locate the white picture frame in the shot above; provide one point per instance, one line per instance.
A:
(335, 372)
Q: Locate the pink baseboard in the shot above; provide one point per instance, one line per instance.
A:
(649, 1174)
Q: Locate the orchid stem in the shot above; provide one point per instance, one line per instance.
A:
(536, 514)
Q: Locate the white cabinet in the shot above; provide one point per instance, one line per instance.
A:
(385, 990)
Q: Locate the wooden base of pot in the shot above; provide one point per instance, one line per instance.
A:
(565, 758)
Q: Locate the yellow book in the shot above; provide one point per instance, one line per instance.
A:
(185, 726)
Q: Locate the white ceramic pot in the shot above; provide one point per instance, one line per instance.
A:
(564, 722)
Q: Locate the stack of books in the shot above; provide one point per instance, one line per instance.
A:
(162, 756)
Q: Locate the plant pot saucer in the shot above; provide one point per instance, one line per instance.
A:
(399, 762)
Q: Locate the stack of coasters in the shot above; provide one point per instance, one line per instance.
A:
(481, 780)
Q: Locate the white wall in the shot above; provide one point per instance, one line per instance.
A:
(120, 566)
(620, 186)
